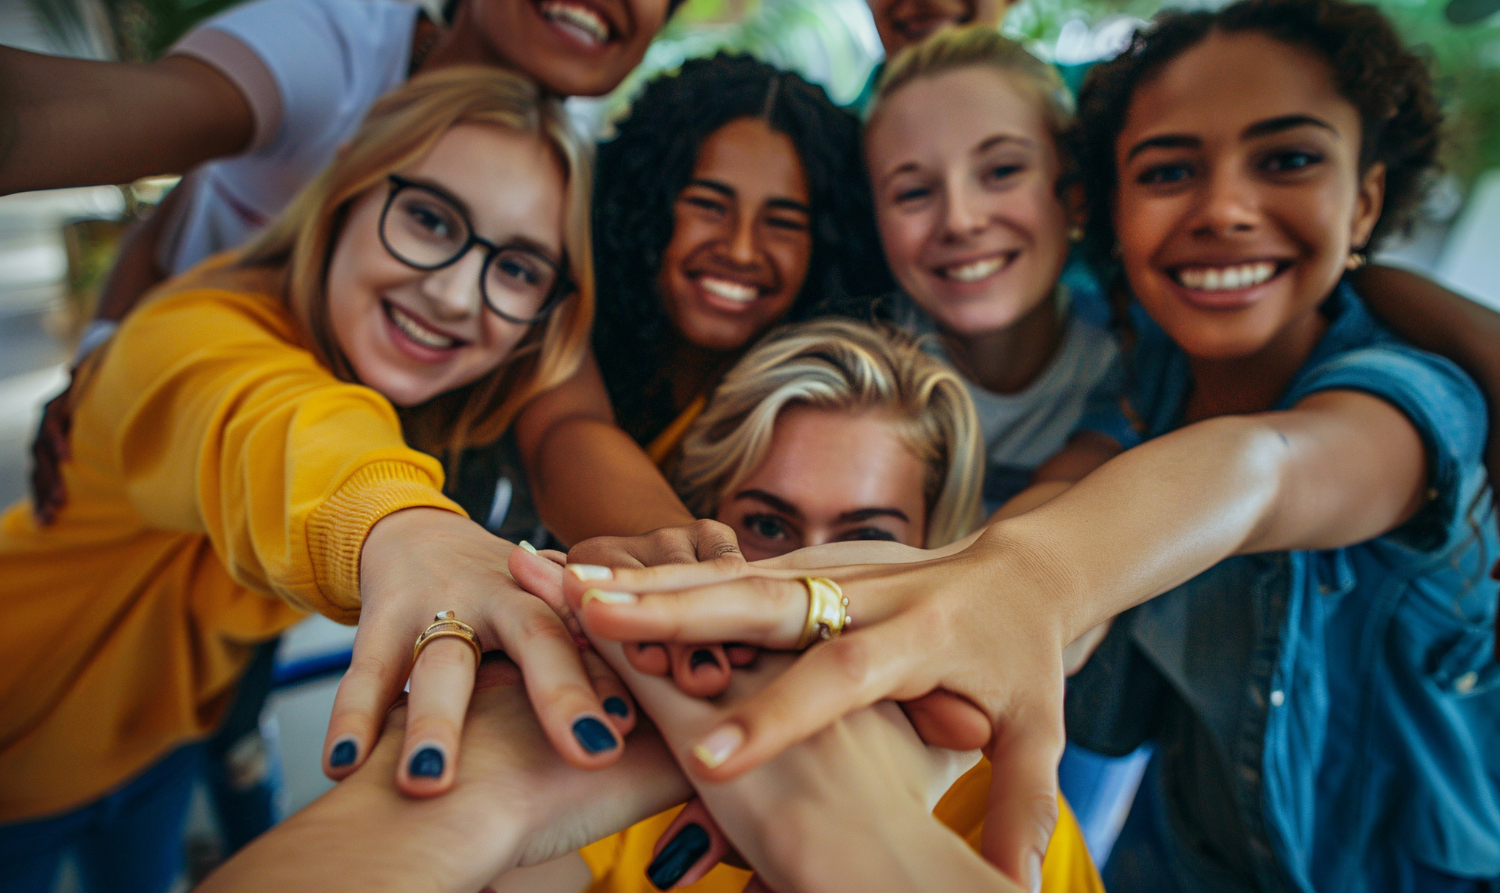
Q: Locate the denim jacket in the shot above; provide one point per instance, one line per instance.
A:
(1351, 695)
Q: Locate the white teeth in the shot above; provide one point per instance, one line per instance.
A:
(729, 291)
(579, 19)
(417, 332)
(973, 272)
(1225, 278)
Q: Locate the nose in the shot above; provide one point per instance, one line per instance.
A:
(963, 215)
(743, 247)
(1229, 204)
(452, 292)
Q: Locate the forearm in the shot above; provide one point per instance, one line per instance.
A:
(590, 479)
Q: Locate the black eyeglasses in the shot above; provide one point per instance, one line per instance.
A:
(427, 230)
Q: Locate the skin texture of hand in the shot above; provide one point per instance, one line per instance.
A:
(49, 451)
(416, 563)
(514, 803)
(867, 778)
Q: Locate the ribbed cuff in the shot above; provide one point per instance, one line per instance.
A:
(336, 531)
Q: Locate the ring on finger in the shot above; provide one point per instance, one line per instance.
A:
(445, 624)
(827, 611)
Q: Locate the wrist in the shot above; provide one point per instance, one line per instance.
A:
(1014, 550)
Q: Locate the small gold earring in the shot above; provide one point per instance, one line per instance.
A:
(1356, 260)
(1075, 233)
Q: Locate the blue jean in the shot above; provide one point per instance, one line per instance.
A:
(129, 841)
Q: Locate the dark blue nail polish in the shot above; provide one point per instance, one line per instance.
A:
(594, 735)
(343, 754)
(700, 657)
(426, 763)
(678, 856)
(616, 706)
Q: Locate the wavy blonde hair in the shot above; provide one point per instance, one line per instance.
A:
(844, 366)
(399, 130)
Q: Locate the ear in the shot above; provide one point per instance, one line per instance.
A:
(1368, 205)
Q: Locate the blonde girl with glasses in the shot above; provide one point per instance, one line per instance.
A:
(247, 450)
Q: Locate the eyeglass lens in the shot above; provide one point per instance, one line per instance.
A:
(427, 231)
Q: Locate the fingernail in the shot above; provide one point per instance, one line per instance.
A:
(343, 754)
(700, 657)
(609, 598)
(426, 763)
(587, 572)
(527, 546)
(680, 854)
(616, 706)
(594, 735)
(1034, 868)
(719, 745)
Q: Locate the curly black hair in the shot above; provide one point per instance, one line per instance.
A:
(647, 164)
(1390, 87)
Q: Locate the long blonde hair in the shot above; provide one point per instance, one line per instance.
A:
(846, 366)
(400, 129)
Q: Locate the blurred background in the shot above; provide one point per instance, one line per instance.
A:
(55, 246)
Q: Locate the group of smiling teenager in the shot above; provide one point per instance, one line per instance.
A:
(1267, 513)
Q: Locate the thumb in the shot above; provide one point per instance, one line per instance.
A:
(1023, 806)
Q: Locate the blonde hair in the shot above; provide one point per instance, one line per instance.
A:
(841, 365)
(978, 46)
(399, 130)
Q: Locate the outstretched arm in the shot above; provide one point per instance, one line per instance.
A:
(75, 122)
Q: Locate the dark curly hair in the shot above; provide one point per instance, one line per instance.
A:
(1388, 85)
(648, 163)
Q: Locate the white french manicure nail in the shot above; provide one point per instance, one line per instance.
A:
(609, 598)
(587, 572)
(527, 546)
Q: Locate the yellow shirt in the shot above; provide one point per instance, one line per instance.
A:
(222, 484)
(619, 862)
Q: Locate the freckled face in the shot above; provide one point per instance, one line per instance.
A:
(965, 172)
(571, 47)
(741, 238)
(1240, 194)
(902, 23)
(413, 335)
(829, 476)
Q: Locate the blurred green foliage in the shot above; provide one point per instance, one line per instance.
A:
(140, 29)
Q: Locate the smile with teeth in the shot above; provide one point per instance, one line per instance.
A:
(417, 332)
(1224, 278)
(729, 290)
(577, 19)
(973, 271)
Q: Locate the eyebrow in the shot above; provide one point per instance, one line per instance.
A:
(1254, 131)
(1001, 138)
(786, 508)
(729, 192)
(867, 514)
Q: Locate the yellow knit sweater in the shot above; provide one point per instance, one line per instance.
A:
(222, 484)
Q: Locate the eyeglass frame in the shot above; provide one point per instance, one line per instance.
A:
(561, 289)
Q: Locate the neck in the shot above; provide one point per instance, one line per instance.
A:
(691, 369)
(1009, 360)
(1241, 385)
(459, 44)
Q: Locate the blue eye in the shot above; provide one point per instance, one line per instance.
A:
(430, 220)
(911, 195)
(1000, 172)
(517, 270)
(1164, 174)
(766, 526)
(1292, 160)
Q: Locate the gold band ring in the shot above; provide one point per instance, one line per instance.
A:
(827, 611)
(444, 624)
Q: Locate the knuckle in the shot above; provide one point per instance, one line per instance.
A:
(540, 626)
(851, 660)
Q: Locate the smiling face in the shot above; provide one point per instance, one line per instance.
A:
(741, 238)
(965, 172)
(1240, 195)
(572, 47)
(814, 487)
(902, 23)
(413, 335)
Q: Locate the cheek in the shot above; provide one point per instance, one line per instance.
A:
(902, 236)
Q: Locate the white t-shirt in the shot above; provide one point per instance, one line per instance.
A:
(1025, 429)
(310, 70)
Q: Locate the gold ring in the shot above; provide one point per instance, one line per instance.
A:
(444, 624)
(827, 611)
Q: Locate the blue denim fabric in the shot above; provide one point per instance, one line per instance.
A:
(1351, 695)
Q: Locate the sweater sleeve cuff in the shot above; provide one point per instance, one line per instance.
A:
(337, 529)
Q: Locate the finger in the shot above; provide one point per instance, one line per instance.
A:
(741, 655)
(1023, 807)
(690, 847)
(715, 543)
(649, 658)
(619, 706)
(441, 681)
(568, 708)
(699, 670)
(754, 610)
(377, 672)
(946, 720)
(538, 576)
(827, 682)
